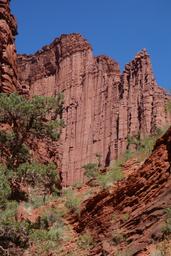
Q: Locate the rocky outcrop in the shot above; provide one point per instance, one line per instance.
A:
(102, 106)
(8, 67)
(132, 215)
(142, 103)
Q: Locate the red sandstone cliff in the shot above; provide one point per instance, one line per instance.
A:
(102, 106)
(8, 67)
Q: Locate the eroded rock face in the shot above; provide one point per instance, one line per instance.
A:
(102, 106)
(132, 214)
(8, 67)
(142, 102)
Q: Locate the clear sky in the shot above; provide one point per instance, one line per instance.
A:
(117, 28)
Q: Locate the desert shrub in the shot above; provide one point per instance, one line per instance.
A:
(163, 248)
(104, 180)
(148, 143)
(53, 234)
(117, 172)
(166, 229)
(85, 241)
(5, 189)
(51, 216)
(114, 174)
(144, 146)
(98, 157)
(127, 252)
(125, 216)
(134, 140)
(168, 106)
(39, 235)
(46, 240)
(49, 231)
(90, 170)
(127, 155)
(78, 184)
(35, 201)
(37, 174)
(157, 252)
(12, 233)
(117, 237)
(8, 217)
(71, 254)
(73, 202)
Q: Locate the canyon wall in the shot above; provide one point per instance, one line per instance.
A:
(8, 67)
(102, 106)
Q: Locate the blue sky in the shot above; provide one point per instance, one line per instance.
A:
(117, 28)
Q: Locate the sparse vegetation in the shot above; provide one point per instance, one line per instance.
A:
(124, 253)
(53, 234)
(125, 216)
(168, 106)
(91, 170)
(78, 185)
(117, 237)
(163, 248)
(51, 216)
(85, 241)
(157, 252)
(46, 240)
(113, 175)
(12, 232)
(72, 201)
(5, 189)
(167, 227)
(49, 232)
(144, 146)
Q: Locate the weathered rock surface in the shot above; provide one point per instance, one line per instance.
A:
(8, 67)
(132, 215)
(102, 106)
(142, 101)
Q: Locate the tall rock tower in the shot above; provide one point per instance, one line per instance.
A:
(142, 103)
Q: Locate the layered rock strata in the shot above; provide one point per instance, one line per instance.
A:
(8, 67)
(102, 106)
(133, 214)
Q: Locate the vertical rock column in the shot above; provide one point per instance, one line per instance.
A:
(8, 31)
(90, 87)
(142, 101)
